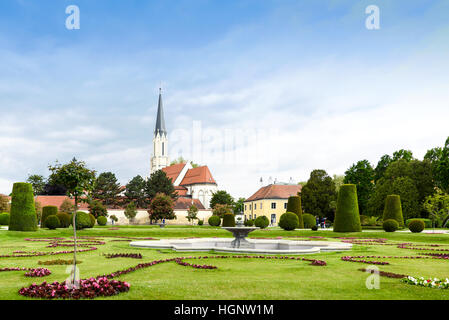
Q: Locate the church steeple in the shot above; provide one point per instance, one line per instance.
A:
(160, 158)
(160, 121)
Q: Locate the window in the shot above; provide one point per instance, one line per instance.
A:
(273, 219)
(261, 205)
(162, 148)
(285, 205)
(273, 205)
(245, 207)
(250, 207)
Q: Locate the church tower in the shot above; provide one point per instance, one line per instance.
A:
(160, 159)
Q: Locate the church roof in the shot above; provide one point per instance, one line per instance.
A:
(185, 203)
(173, 171)
(276, 191)
(160, 121)
(197, 175)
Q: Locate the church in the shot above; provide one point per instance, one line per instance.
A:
(193, 184)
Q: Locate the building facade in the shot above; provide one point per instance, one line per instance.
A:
(270, 201)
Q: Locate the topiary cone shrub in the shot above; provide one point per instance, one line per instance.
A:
(390, 225)
(393, 209)
(289, 221)
(416, 225)
(228, 220)
(261, 222)
(347, 217)
(214, 221)
(46, 212)
(294, 205)
(52, 222)
(23, 211)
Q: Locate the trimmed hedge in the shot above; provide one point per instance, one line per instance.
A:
(294, 205)
(46, 212)
(390, 225)
(427, 222)
(289, 221)
(347, 217)
(4, 219)
(64, 219)
(52, 222)
(102, 220)
(228, 220)
(309, 220)
(249, 223)
(261, 222)
(393, 209)
(82, 220)
(416, 225)
(93, 220)
(214, 221)
(23, 211)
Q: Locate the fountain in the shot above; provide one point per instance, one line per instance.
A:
(240, 232)
(241, 245)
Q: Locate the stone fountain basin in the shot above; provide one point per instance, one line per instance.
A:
(259, 246)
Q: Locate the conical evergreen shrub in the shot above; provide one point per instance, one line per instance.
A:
(393, 209)
(23, 212)
(294, 205)
(347, 217)
(228, 220)
(46, 212)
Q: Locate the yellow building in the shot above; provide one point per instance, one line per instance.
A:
(270, 201)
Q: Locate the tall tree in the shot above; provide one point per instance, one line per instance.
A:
(161, 207)
(79, 182)
(238, 205)
(38, 183)
(442, 168)
(318, 194)
(403, 155)
(437, 205)
(107, 189)
(135, 191)
(221, 197)
(382, 165)
(131, 211)
(362, 175)
(159, 183)
(338, 181)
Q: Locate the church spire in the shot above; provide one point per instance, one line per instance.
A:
(160, 121)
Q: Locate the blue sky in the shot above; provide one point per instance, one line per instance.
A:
(304, 83)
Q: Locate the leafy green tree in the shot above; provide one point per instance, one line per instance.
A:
(192, 213)
(53, 188)
(221, 197)
(135, 191)
(79, 182)
(221, 209)
(362, 175)
(338, 181)
(238, 205)
(97, 209)
(382, 166)
(131, 211)
(38, 183)
(402, 154)
(161, 207)
(318, 193)
(159, 183)
(437, 205)
(67, 207)
(442, 168)
(107, 188)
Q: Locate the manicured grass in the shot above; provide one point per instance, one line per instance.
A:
(234, 278)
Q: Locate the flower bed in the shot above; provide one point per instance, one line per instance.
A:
(429, 283)
(32, 272)
(58, 262)
(123, 255)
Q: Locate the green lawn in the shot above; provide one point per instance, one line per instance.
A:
(234, 278)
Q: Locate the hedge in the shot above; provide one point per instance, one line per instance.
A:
(102, 220)
(93, 220)
(347, 217)
(416, 225)
(23, 211)
(228, 220)
(4, 219)
(289, 221)
(294, 205)
(214, 221)
(309, 220)
(393, 209)
(52, 222)
(82, 220)
(261, 222)
(46, 212)
(249, 223)
(390, 225)
(64, 219)
(427, 222)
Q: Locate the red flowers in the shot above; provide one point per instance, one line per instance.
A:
(123, 255)
(32, 272)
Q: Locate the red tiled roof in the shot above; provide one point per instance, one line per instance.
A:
(197, 175)
(173, 171)
(182, 191)
(57, 201)
(276, 191)
(185, 203)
